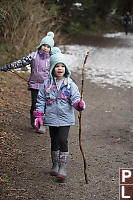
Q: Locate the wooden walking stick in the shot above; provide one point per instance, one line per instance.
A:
(80, 123)
(19, 76)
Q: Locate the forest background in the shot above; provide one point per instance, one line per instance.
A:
(24, 23)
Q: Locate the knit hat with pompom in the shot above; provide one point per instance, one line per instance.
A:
(48, 39)
(57, 57)
(55, 50)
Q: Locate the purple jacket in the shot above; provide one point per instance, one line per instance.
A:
(39, 70)
(40, 66)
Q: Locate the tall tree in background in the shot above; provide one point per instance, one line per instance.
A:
(103, 7)
(124, 5)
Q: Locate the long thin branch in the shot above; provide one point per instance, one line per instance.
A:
(80, 121)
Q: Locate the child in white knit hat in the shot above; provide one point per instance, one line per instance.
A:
(57, 98)
(40, 66)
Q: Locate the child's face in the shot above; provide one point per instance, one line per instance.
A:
(59, 70)
(45, 48)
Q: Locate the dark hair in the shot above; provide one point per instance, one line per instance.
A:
(64, 74)
(65, 70)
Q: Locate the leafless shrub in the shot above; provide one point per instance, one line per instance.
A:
(24, 23)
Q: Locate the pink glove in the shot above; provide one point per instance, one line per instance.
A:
(79, 105)
(38, 115)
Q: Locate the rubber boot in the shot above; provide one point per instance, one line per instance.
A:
(32, 120)
(63, 160)
(41, 130)
(55, 161)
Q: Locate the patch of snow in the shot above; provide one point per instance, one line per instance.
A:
(112, 35)
(104, 65)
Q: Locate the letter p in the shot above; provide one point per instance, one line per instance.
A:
(126, 174)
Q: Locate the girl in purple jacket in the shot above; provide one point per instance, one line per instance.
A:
(40, 66)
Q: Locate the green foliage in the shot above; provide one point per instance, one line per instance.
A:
(23, 23)
(96, 16)
(54, 10)
(4, 48)
(90, 8)
(125, 5)
(74, 27)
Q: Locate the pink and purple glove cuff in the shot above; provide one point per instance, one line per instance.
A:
(37, 114)
(79, 105)
(38, 123)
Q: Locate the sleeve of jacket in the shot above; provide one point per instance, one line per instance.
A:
(41, 100)
(26, 60)
(75, 94)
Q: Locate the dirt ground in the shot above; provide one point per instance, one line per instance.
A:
(107, 140)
